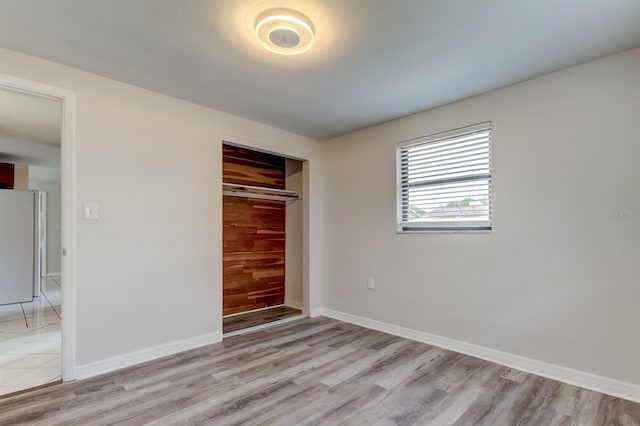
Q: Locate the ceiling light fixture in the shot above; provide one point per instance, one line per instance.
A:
(284, 31)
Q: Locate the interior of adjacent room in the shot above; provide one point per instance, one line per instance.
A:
(30, 248)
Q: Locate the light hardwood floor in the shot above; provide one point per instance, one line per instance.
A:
(317, 371)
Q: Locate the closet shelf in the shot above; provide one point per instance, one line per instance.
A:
(249, 191)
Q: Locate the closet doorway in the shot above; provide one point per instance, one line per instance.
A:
(262, 239)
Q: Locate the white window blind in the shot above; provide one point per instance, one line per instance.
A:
(445, 181)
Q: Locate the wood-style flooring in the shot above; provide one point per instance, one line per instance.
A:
(317, 371)
(253, 319)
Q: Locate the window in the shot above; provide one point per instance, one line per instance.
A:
(445, 181)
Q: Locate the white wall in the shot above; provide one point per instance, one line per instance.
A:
(149, 270)
(54, 221)
(558, 279)
(294, 258)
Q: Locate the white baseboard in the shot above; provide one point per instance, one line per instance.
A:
(613, 387)
(144, 355)
(293, 304)
(319, 312)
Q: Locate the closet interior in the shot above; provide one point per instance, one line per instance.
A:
(262, 238)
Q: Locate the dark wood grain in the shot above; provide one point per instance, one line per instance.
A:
(317, 371)
(253, 257)
(253, 233)
(248, 167)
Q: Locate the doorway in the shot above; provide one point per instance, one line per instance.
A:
(262, 239)
(41, 153)
(30, 250)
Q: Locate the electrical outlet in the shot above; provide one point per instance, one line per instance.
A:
(371, 283)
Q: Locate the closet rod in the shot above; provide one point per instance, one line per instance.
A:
(259, 188)
(261, 196)
(247, 191)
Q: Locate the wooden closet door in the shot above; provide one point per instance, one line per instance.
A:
(253, 233)
(253, 253)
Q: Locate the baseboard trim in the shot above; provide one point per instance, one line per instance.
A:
(613, 387)
(143, 355)
(293, 304)
(319, 312)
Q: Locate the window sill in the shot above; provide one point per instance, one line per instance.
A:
(444, 231)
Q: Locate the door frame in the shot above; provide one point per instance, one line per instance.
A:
(68, 232)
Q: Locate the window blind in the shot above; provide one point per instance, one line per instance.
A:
(445, 181)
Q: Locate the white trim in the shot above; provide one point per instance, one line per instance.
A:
(262, 326)
(441, 231)
(68, 171)
(293, 304)
(308, 300)
(53, 275)
(435, 137)
(320, 312)
(144, 355)
(447, 226)
(613, 387)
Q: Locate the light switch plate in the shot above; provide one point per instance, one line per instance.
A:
(90, 211)
(371, 283)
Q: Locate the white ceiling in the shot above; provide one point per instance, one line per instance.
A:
(374, 60)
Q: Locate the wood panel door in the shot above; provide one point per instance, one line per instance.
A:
(254, 233)
(253, 253)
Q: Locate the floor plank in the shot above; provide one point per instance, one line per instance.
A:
(317, 371)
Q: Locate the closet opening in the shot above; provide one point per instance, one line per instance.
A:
(262, 250)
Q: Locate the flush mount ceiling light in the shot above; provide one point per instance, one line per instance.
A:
(284, 31)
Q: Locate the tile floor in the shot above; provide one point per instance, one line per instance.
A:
(30, 340)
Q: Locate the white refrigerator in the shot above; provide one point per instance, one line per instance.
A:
(20, 246)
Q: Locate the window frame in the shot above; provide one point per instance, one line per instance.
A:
(426, 227)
